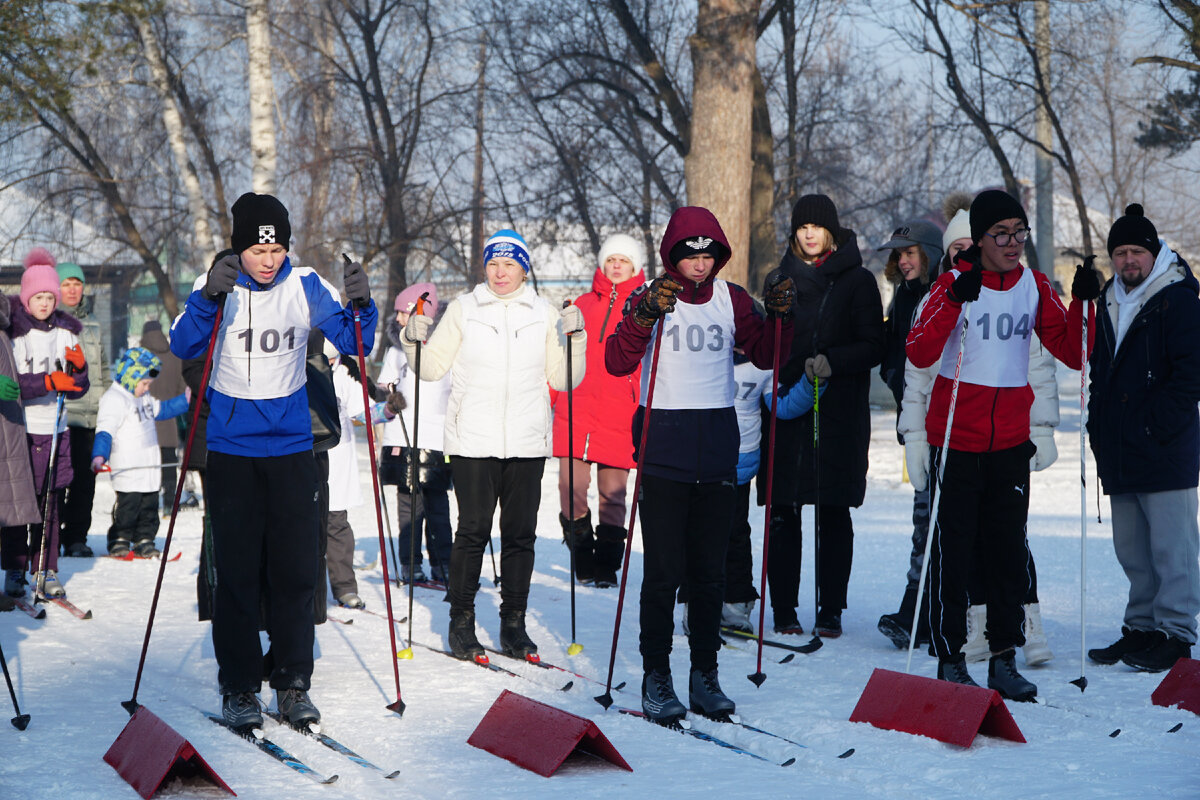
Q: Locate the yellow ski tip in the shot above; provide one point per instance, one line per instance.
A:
(575, 649)
(405, 654)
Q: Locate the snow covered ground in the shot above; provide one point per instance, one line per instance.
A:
(71, 676)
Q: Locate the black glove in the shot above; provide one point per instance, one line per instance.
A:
(1086, 285)
(396, 402)
(222, 277)
(358, 288)
(659, 299)
(966, 286)
(779, 297)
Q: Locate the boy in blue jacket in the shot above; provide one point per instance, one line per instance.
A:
(262, 479)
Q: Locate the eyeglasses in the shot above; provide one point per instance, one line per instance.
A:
(1004, 239)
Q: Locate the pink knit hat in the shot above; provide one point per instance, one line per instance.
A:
(39, 276)
(407, 300)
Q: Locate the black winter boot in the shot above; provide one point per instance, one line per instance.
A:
(1004, 678)
(1131, 641)
(1161, 655)
(954, 670)
(514, 641)
(706, 697)
(659, 702)
(610, 554)
(578, 536)
(463, 642)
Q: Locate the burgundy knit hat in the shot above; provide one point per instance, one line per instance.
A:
(40, 276)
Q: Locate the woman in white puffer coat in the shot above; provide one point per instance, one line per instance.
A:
(1043, 419)
(502, 344)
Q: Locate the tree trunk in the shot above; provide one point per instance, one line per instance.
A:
(201, 232)
(262, 97)
(719, 164)
(763, 249)
(477, 198)
(316, 200)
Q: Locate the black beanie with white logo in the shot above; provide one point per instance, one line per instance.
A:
(259, 219)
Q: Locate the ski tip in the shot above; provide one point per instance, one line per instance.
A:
(329, 780)
(788, 763)
(396, 707)
(131, 706)
(21, 722)
(621, 686)
(757, 678)
(814, 645)
(1177, 726)
(406, 654)
(1115, 734)
(567, 686)
(847, 754)
(605, 700)
(787, 659)
(1081, 682)
(575, 649)
(392, 775)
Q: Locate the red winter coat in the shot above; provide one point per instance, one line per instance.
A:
(604, 403)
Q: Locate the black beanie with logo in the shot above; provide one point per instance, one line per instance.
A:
(259, 219)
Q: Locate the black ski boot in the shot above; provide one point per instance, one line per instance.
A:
(241, 712)
(514, 641)
(1004, 678)
(578, 536)
(610, 554)
(297, 708)
(659, 701)
(896, 627)
(954, 670)
(463, 642)
(1131, 641)
(1161, 655)
(705, 695)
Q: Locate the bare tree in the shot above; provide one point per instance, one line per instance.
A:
(262, 95)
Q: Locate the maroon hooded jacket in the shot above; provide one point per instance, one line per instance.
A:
(695, 445)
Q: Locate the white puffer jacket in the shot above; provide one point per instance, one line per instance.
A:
(501, 352)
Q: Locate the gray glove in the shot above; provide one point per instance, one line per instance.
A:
(418, 328)
(222, 277)
(358, 289)
(818, 365)
(571, 318)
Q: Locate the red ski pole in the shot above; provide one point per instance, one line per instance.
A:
(759, 676)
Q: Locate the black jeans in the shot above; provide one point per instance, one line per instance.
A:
(685, 534)
(983, 505)
(479, 483)
(77, 508)
(265, 540)
(739, 558)
(432, 515)
(835, 553)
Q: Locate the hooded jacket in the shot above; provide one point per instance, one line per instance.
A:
(18, 498)
(692, 444)
(1142, 418)
(838, 313)
(603, 403)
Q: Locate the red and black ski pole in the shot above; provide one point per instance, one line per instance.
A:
(20, 721)
(131, 705)
(398, 705)
(606, 699)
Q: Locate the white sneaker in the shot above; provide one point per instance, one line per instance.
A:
(737, 616)
(976, 647)
(1036, 649)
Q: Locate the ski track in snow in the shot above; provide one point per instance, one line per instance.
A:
(71, 676)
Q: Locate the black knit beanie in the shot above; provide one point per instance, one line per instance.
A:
(990, 207)
(259, 219)
(816, 209)
(1134, 228)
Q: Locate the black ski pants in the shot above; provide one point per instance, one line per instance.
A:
(835, 553)
(135, 519)
(265, 540)
(983, 506)
(739, 559)
(479, 483)
(77, 507)
(432, 516)
(685, 535)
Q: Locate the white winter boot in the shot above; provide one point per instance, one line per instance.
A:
(737, 616)
(1036, 649)
(976, 647)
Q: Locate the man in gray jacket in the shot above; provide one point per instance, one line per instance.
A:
(81, 414)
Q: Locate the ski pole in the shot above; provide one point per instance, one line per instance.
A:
(111, 471)
(935, 494)
(759, 676)
(398, 705)
(1081, 681)
(575, 648)
(496, 577)
(131, 705)
(39, 594)
(816, 641)
(416, 522)
(20, 721)
(606, 699)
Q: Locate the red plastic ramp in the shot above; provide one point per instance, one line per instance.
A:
(149, 751)
(539, 737)
(1181, 687)
(948, 712)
